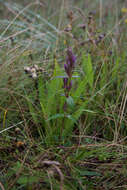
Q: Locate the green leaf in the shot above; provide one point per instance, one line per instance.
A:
(81, 87)
(88, 69)
(42, 94)
(53, 91)
(69, 124)
(70, 102)
(42, 98)
(55, 116)
(79, 111)
(71, 118)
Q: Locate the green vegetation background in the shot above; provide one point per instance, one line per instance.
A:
(49, 141)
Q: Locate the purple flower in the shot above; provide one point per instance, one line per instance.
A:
(67, 86)
(65, 81)
(69, 66)
(70, 62)
(68, 69)
(71, 58)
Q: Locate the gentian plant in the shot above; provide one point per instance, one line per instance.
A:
(60, 101)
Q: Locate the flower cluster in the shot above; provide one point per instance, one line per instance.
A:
(69, 67)
(33, 71)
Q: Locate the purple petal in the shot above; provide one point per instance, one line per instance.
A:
(65, 81)
(71, 58)
(65, 67)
